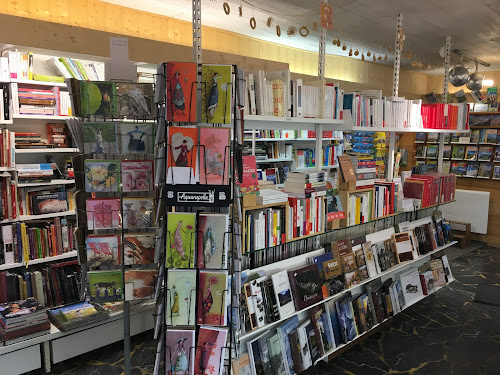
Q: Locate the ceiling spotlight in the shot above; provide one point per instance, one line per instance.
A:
(488, 82)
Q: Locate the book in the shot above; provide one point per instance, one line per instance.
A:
(432, 151)
(139, 248)
(334, 209)
(306, 286)
(20, 311)
(212, 290)
(303, 334)
(404, 246)
(180, 351)
(492, 99)
(497, 154)
(210, 350)
(472, 169)
(496, 172)
(138, 212)
(137, 175)
(103, 213)
(98, 98)
(182, 155)
(249, 182)
(346, 317)
(49, 203)
(411, 286)
(346, 168)
(420, 151)
(140, 284)
(213, 240)
(181, 231)
(485, 153)
(471, 153)
(103, 250)
(484, 170)
(99, 138)
(447, 269)
(217, 93)
(136, 138)
(214, 155)
(106, 286)
(181, 91)
(76, 315)
(458, 152)
(241, 365)
(135, 99)
(102, 175)
(284, 330)
(181, 297)
(283, 293)
(474, 136)
(370, 259)
(276, 355)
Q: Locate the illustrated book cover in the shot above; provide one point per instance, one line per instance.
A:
(306, 286)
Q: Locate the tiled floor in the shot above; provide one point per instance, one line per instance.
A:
(447, 333)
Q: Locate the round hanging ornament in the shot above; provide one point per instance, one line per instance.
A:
(227, 10)
(253, 23)
(278, 30)
(304, 31)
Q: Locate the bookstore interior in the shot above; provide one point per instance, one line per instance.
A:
(249, 187)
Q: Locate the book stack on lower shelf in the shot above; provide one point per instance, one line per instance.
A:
(300, 310)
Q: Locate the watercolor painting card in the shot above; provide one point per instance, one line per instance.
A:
(99, 138)
(216, 93)
(135, 99)
(182, 155)
(180, 351)
(140, 284)
(103, 213)
(210, 351)
(136, 138)
(181, 232)
(214, 155)
(137, 175)
(181, 91)
(106, 286)
(103, 250)
(102, 176)
(138, 212)
(213, 240)
(181, 297)
(139, 248)
(212, 289)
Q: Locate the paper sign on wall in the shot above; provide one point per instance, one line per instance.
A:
(120, 67)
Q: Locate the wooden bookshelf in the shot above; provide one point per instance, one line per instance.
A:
(344, 198)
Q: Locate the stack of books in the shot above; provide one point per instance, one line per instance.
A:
(364, 167)
(34, 172)
(22, 320)
(30, 140)
(7, 151)
(268, 196)
(72, 68)
(37, 101)
(76, 315)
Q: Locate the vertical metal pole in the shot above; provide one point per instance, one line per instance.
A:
(126, 337)
(253, 141)
(440, 153)
(322, 50)
(197, 31)
(397, 56)
(321, 76)
(447, 51)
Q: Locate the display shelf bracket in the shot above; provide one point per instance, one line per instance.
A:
(322, 50)
(447, 51)
(397, 55)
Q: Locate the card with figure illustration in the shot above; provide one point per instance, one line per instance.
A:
(214, 155)
(212, 289)
(99, 138)
(216, 95)
(181, 91)
(136, 138)
(102, 176)
(180, 351)
(98, 98)
(103, 250)
(137, 175)
(103, 213)
(182, 155)
(213, 240)
(181, 297)
(140, 284)
(210, 349)
(139, 248)
(106, 286)
(138, 212)
(135, 99)
(181, 232)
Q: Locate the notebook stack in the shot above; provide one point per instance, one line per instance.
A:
(22, 320)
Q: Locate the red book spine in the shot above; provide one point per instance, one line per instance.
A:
(13, 198)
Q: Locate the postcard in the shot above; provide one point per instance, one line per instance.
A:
(214, 155)
(181, 232)
(139, 248)
(137, 175)
(103, 213)
(99, 138)
(103, 250)
(136, 138)
(182, 155)
(138, 212)
(102, 175)
(181, 297)
(213, 240)
(140, 284)
(216, 96)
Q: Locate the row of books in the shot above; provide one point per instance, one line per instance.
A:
(476, 136)
(359, 207)
(445, 116)
(364, 167)
(430, 189)
(37, 240)
(292, 134)
(7, 149)
(307, 215)
(306, 157)
(21, 320)
(274, 150)
(265, 228)
(460, 152)
(472, 169)
(28, 100)
(9, 205)
(52, 285)
(276, 94)
(4, 102)
(41, 200)
(72, 68)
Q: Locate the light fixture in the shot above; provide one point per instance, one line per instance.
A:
(488, 82)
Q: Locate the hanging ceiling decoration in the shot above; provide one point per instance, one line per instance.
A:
(304, 31)
(291, 31)
(227, 10)
(240, 11)
(269, 21)
(278, 30)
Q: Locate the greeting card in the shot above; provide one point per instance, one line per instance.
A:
(180, 351)
(99, 138)
(135, 99)
(137, 175)
(102, 175)
(210, 351)
(140, 284)
(213, 240)
(103, 250)
(212, 291)
(106, 286)
(98, 98)
(181, 229)
(136, 138)
(103, 213)
(139, 248)
(181, 91)
(181, 297)
(216, 97)
(182, 155)
(138, 212)
(214, 155)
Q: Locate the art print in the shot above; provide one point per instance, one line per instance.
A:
(138, 212)
(137, 175)
(102, 176)
(217, 88)
(181, 239)
(182, 155)
(103, 213)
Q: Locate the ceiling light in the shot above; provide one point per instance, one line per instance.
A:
(488, 82)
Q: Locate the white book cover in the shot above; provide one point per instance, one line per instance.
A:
(284, 76)
(251, 90)
(258, 300)
(298, 97)
(40, 297)
(4, 69)
(283, 294)
(370, 259)
(447, 268)
(411, 286)
(304, 345)
(8, 246)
